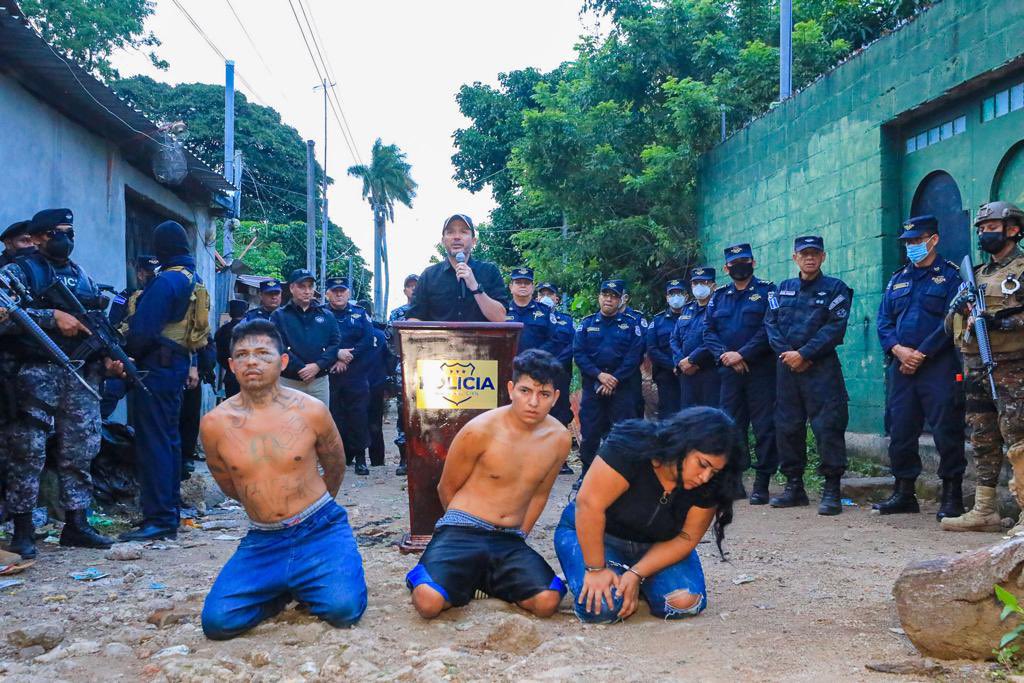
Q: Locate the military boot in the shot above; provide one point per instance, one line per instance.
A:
(24, 541)
(759, 492)
(793, 495)
(360, 464)
(402, 469)
(902, 500)
(831, 501)
(952, 502)
(78, 533)
(984, 516)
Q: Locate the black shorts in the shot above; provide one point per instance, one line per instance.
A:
(461, 560)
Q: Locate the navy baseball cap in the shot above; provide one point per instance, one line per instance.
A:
(919, 226)
(270, 285)
(47, 219)
(522, 273)
(736, 251)
(15, 230)
(547, 285)
(411, 277)
(460, 216)
(617, 286)
(299, 275)
(808, 242)
(675, 284)
(147, 262)
(337, 283)
(237, 308)
(702, 273)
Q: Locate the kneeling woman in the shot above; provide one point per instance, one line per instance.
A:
(647, 500)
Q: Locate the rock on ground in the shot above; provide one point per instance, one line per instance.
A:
(947, 605)
(46, 636)
(124, 552)
(512, 633)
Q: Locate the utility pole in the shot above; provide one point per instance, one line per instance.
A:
(310, 209)
(351, 284)
(325, 222)
(225, 280)
(785, 50)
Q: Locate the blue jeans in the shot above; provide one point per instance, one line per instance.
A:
(315, 562)
(685, 575)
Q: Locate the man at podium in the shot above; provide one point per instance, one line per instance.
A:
(459, 289)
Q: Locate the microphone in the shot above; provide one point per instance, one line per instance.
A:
(460, 257)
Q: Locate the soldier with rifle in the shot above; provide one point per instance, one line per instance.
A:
(52, 401)
(987, 318)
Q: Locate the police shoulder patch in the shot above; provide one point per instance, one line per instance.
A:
(638, 333)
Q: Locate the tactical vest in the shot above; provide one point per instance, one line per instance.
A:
(1000, 305)
(40, 274)
(129, 310)
(193, 330)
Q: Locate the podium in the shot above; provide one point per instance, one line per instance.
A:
(451, 372)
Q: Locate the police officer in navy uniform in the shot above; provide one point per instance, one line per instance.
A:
(237, 308)
(127, 300)
(270, 300)
(608, 348)
(734, 332)
(922, 372)
(659, 349)
(695, 364)
(538, 324)
(166, 362)
(806, 322)
(51, 403)
(380, 367)
(310, 336)
(17, 242)
(350, 390)
(564, 331)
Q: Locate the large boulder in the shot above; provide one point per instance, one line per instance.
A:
(947, 605)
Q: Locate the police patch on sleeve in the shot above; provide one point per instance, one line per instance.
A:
(773, 302)
(638, 333)
(841, 313)
(835, 302)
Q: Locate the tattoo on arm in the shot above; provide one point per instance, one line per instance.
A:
(330, 452)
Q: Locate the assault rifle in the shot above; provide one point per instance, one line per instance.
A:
(976, 299)
(12, 295)
(103, 338)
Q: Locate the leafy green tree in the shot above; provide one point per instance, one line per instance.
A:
(91, 30)
(386, 180)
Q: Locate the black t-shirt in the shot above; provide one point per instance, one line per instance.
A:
(639, 514)
(441, 296)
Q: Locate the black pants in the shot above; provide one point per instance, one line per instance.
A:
(562, 411)
(375, 422)
(669, 395)
(599, 413)
(749, 398)
(349, 403)
(700, 389)
(818, 396)
(931, 394)
(188, 421)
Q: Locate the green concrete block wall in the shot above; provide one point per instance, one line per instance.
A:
(830, 162)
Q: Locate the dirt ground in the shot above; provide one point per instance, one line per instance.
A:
(819, 608)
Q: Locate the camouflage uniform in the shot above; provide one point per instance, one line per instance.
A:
(995, 424)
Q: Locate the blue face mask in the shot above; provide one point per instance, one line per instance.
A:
(917, 252)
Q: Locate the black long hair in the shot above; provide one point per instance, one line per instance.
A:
(668, 441)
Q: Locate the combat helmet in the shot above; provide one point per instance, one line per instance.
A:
(1004, 211)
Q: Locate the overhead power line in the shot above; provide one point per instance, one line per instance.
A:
(248, 37)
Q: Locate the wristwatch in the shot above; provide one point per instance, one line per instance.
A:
(478, 290)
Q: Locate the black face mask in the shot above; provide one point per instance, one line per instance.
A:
(992, 242)
(60, 246)
(24, 251)
(741, 271)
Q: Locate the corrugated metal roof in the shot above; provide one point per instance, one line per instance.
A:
(81, 97)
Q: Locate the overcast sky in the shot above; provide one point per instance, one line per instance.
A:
(398, 65)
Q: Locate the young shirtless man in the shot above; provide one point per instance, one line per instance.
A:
(263, 447)
(497, 476)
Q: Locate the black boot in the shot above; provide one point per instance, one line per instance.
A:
(903, 499)
(759, 493)
(401, 470)
(24, 541)
(361, 468)
(792, 496)
(78, 533)
(149, 532)
(952, 504)
(831, 502)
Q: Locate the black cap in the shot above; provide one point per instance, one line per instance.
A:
(15, 230)
(808, 242)
(702, 273)
(237, 308)
(522, 273)
(47, 219)
(300, 274)
(147, 262)
(271, 285)
(337, 282)
(919, 226)
(463, 217)
(411, 277)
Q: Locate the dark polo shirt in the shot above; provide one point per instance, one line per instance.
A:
(440, 296)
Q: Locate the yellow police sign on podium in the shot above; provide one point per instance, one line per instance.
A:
(457, 384)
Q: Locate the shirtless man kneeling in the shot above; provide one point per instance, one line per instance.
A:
(263, 447)
(496, 479)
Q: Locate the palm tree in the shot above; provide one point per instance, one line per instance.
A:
(386, 180)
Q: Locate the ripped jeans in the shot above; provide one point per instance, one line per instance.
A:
(686, 575)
